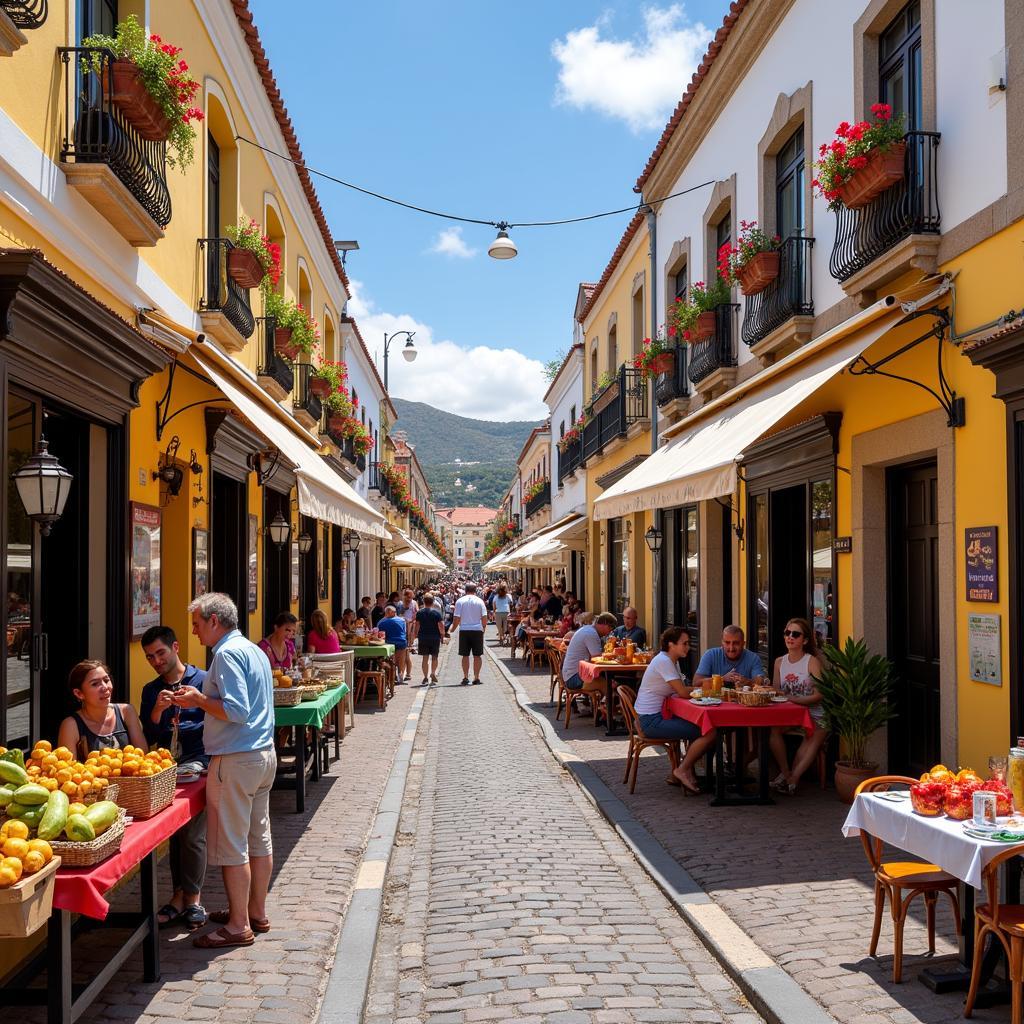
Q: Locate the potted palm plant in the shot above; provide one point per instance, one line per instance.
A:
(855, 687)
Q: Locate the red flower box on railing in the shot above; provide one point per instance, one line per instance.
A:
(758, 272)
(283, 342)
(320, 387)
(662, 363)
(883, 170)
(245, 268)
(135, 101)
(704, 327)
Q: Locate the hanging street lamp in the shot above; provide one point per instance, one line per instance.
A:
(43, 486)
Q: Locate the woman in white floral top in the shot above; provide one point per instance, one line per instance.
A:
(794, 678)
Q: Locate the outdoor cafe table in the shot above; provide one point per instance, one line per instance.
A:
(733, 715)
(311, 714)
(83, 891)
(535, 634)
(591, 672)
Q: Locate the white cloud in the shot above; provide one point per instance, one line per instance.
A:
(637, 80)
(451, 243)
(478, 381)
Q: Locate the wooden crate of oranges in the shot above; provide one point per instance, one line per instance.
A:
(27, 869)
(145, 782)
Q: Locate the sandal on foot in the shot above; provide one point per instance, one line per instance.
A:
(170, 914)
(194, 917)
(222, 938)
(259, 925)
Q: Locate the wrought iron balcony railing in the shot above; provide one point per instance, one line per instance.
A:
(379, 482)
(25, 13)
(910, 207)
(616, 414)
(272, 364)
(569, 459)
(540, 500)
(787, 296)
(718, 351)
(673, 384)
(221, 292)
(303, 398)
(96, 132)
(347, 450)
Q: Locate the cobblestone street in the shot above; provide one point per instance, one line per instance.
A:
(510, 898)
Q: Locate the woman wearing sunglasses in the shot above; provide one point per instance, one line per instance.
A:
(794, 677)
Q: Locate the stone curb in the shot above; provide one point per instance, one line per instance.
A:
(344, 1000)
(771, 991)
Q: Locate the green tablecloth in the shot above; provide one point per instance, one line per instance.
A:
(372, 650)
(311, 712)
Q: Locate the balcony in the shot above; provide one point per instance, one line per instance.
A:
(570, 458)
(17, 17)
(540, 501)
(224, 304)
(779, 319)
(305, 404)
(274, 372)
(105, 159)
(616, 410)
(672, 388)
(352, 465)
(896, 232)
(712, 368)
(379, 482)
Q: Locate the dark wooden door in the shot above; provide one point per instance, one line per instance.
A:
(914, 734)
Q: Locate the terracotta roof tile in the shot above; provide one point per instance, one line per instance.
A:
(627, 237)
(1006, 331)
(715, 47)
(259, 57)
(472, 515)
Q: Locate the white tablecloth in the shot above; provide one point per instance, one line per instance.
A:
(938, 840)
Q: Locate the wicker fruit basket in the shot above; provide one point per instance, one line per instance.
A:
(332, 682)
(85, 855)
(286, 696)
(753, 698)
(25, 906)
(310, 691)
(142, 797)
(109, 793)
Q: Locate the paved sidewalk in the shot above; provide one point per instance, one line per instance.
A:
(281, 978)
(510, 898)
(785, 875)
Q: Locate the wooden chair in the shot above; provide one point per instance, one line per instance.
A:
(555, 657)
(893, 877)
(1005, 922)
(536, 650)
(376, 676)
(638, 742)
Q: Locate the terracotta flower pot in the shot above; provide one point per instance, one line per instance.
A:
(759, 272)
(662, 363)
(704, 327)
(283, 343)
(320, 387)
(135, 101)
(336, 423)
(882, 171)
(848, 778)
(245, 268)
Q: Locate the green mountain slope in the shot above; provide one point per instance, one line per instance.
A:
(487, 451)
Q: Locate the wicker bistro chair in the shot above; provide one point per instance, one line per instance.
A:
(638, 742)
(555, 657)
(1005, 922)
(893, 877)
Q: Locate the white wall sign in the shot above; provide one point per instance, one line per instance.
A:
(984, 649)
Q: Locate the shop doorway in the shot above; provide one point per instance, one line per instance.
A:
(276, 562)
(228, 525)
(309, 578)
(915, 737)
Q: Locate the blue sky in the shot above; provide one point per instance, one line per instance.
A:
(533, 111)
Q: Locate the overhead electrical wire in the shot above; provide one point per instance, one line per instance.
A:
(501, 225)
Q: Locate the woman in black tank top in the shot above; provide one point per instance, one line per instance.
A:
(98, 723)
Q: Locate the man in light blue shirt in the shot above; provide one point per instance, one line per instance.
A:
(238, 698)
(732, 661)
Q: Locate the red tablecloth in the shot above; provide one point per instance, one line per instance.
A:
(731, 715)
(588, 671)
(81, 890)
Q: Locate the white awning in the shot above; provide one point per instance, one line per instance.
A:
(700, 463)
(550, 547)
(323, 494)
(411, 553)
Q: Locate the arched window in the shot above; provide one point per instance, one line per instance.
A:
(330, 350)
(221, 165)
(613, 349)
(593, 366)
(273, 226)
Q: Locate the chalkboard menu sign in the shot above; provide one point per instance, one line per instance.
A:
(982, 559)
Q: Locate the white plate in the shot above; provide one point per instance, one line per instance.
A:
(779, 700)
(970, 825)
(705, 701)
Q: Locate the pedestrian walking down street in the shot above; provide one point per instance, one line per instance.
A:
(428, 631)
(471, 621)
(238, 733)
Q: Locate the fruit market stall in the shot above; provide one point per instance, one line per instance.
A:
(59, 820)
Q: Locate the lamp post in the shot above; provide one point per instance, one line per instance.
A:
(653, 540)
(408, 351)
(43, 486)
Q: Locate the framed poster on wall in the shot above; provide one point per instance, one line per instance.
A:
(200, 561)
(981, 554)
(254, 533)
(145, 568)
(321, 561)
(296, 562)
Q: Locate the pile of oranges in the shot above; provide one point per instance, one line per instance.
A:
(128, 762)
(20, 855)
(58, 769)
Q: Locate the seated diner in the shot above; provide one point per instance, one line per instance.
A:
(586, 643)
(732, 661)
(630, 630)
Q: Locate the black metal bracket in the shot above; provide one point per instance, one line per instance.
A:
(951, 404)
(163, 405)
(738, 528)
(265, 464)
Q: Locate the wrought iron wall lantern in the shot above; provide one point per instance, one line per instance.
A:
(170, 473)
(43, 486)
(653, 539)
(264, 464)
(279, 530)
(351, 543)
(305, 543)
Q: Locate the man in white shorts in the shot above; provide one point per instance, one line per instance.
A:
(470, 620)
